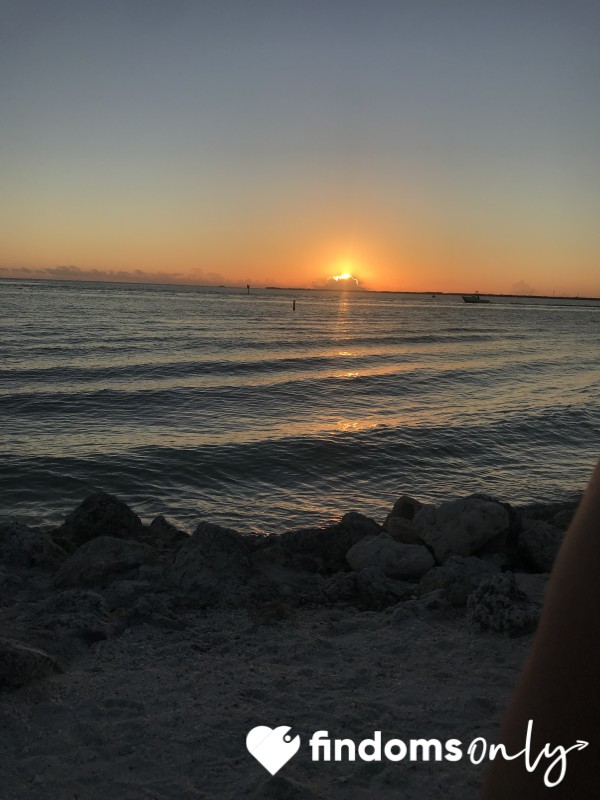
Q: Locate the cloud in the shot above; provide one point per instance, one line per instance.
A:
(339, 283)
(73, 273)
(522, 287)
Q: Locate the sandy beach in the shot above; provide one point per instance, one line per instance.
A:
(135, 658)
(164, 713)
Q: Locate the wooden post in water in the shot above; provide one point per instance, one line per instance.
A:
(294, 306)
(248, 288)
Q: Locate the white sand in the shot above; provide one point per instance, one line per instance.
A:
(163, 713)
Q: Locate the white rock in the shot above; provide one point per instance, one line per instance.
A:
(101, 560)
(498, 604)
(541, 542)
(461, 527)
(213, 563)
(394, 559)
(26, 546)
(399, 522)
(457, 578)
(402, 530)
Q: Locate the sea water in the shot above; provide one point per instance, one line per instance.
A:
(211, 403)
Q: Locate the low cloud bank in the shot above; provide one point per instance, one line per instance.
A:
(73, 273)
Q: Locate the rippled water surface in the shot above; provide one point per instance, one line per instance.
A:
(208, 403)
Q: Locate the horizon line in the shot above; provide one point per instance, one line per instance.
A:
(303, 288)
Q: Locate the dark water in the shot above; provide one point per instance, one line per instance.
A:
(207, 403)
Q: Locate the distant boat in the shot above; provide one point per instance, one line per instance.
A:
(475, 298)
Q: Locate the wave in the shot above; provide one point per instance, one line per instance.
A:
(323, 471)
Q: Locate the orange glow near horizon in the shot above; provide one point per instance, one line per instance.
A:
(420, 250)
(407, 263)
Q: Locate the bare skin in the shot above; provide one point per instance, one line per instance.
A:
(559, 687)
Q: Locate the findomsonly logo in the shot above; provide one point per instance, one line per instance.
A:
(274, 747)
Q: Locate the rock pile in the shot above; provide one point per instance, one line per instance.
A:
(103, 570)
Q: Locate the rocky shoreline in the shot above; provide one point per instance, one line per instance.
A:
(135, 658)
(103, 570)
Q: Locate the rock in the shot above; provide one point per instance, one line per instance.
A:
(457, 578)
(377, 591)
(212, 566)
(462, 527)
(551, 512)
(342, 587)
(20, 664)
(534, 586)
(563, 518)
(324, 549)
(125, 593)
(433, 605)
(75, 612)
(101, 560)
(499, 605)
(161, 532)
(153, 604)
(402, 530)
(368, 589)
(394, 559)
(62, 625)
(99, 514)
(272, 555)
(158, 609)
(399, 522)
(499, 561)
(281, 581)
(28, 547)
(11, 586)
(540, 543)
(405, 507)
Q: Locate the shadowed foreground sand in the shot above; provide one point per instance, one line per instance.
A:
(135, 659)
(162, 713)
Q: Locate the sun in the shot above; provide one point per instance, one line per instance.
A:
(344, 273)
(345, 280)
(344, 277)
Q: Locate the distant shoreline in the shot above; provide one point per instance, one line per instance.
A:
(298, 288)
(431, 293)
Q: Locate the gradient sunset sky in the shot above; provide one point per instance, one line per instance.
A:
(424, 145)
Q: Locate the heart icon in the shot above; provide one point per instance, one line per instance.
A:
(272, 747)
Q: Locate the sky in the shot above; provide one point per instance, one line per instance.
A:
(443, 145)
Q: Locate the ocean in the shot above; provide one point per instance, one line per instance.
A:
(208, 403)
